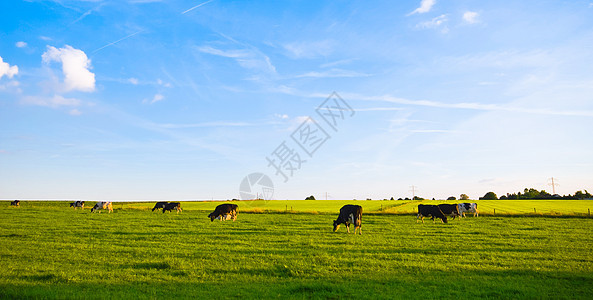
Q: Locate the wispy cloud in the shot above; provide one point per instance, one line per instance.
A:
(309, 49)
(472, 106)
(471, 17)
(85, 14)
(224, 53)
(156, 98)
(379, 109)
(56, 101)
(425, 6)
(203, 3)
(333, 73)
(337, 63)
(113, 43)
(20, 44)
(436, 22)
(248, 57)
(207, 124)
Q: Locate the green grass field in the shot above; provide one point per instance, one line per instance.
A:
(51, 251)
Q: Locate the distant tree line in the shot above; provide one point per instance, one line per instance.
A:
(535, 194)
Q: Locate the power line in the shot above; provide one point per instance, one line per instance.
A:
(413, 189)
(553, 184)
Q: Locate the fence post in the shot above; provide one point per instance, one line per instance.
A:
(535, 212)
(588, 212)
(495, 211)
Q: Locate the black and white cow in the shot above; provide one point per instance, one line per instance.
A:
(15, 203)
(468, 207)
(77, 204)
(159, 205)
(224, 212)
(349, 214)
(451, 210)
(172, 206)
(103, 205)
(433, 211)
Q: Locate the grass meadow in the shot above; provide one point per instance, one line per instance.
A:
(49, 250)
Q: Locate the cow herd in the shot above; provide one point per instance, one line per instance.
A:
(349, 214)
(442, 211)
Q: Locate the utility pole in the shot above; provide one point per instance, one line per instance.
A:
(413, 190)
(553, 185)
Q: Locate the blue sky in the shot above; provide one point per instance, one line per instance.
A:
(179, 100)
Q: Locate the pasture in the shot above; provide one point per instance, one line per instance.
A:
(52, 251)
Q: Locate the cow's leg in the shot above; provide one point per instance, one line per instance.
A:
(348, 227)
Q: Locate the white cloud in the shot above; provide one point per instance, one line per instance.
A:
(156, 98)
(471, 17)
(133, 81)
(21, 44)
(425, 6)
(436, 22)
(75, 66)
(55, 102)
(7, 70)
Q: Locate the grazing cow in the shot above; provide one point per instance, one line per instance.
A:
(77, 204)
(15, 203)
(451, 210)
(103, 205)
(159, 205)
(224, 217)
(432, 211)
(224, 212)
(468, 207)
(349, 214)
(171, 206)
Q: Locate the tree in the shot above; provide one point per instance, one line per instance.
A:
(489, 196)
(391, 198)
(581, 195)
(310, 198)
(452, 198)
(463, 197)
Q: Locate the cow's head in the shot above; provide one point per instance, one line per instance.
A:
(336, 226)
(212, 217)
(444, 218)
